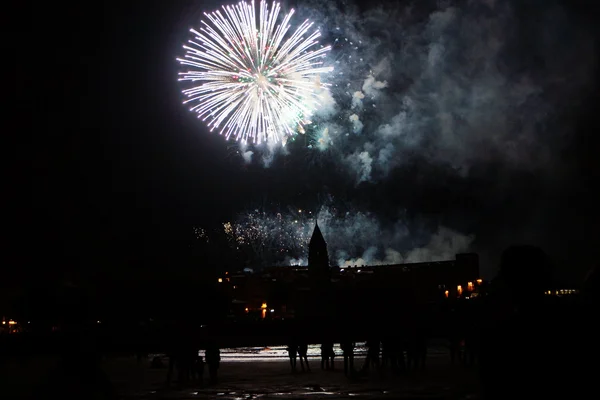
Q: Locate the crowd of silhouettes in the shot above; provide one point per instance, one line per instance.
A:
(398, 354)
(522, 341)
(190, 365)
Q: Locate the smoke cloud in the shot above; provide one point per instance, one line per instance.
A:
(443, 245)
(458, 83)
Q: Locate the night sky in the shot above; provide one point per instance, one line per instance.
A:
(108, 170)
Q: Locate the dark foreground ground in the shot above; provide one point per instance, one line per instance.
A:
(248, 379)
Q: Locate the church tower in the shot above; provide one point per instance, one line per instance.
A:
(317, 301)
(318, 259)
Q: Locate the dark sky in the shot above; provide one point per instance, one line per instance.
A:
(107, 166)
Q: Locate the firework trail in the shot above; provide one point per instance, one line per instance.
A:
(250, 79)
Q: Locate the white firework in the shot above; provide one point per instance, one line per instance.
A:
(251, 79)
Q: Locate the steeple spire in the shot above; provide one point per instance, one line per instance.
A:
(318, 258)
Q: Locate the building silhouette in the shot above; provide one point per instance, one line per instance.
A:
(329, 294)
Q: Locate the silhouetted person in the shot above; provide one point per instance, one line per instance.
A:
(389, 353)
(348, 352)
(292, 350)
(390, 349)
(303, 354)
(384, 353)
(79, 374)
(401, 348)
(529, 346)
(213, 359)
(141, 355)
(185, 364)
(332, 356)
(172, 355)
(198, 369)
(455, 336)
(190, 361)
(179, 356)
(372, 359)
(327, 355)
(180, 360)
(417, 345)
(471, 349)
(455, 344)
(398, 350)
(157, 363)
(177, 362)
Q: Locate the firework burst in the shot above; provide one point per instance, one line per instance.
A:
(249, 78)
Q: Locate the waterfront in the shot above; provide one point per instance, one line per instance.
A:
(247, 373)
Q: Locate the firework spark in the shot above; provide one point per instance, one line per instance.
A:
(270, 238)
(257, 83)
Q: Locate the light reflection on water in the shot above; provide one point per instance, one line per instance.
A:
(326, 393)
(276, 353)
(279, 353)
